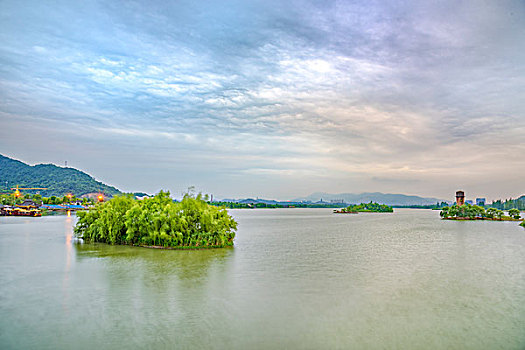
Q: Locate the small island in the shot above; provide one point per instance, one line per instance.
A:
(157, 222)
(365, 208)
(476, 212)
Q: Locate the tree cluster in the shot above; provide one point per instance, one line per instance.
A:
(468, 211)
(235, 205)
(157, 221)
(10, 199)
(508, 204)
(368, 207)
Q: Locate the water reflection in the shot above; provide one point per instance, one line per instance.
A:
(165, 290)
(68, 232)
(160, 269)
(295, 279)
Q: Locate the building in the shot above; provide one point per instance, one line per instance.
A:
(480, 201)
(28, 204)
(471, 202)
(460, 198)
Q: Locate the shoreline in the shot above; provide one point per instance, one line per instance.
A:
(81, 241)
(483, 219)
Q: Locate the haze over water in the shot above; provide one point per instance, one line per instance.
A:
(296, 278)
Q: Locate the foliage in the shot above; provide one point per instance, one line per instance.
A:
(10, 199)
(58, 181)
(468, 211)
(510, 203)
(236, 205)
(514, 213)
(368, 207)
(6, 199)
(494, 213)
(523, 223)
(438, 205)
(157, 221)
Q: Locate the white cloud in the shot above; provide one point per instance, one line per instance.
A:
(332, 90)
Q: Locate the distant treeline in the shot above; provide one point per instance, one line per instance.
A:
(10, 199)
(234, 205)
(423, 206)
(518, 203)
(468, 211)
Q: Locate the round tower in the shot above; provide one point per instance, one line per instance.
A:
(460, 198)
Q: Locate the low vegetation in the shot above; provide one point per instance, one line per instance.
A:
(366, 207)
(157, 221)
(10, 199)
(235, 205)
(476, 212)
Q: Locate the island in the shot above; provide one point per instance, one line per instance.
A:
(476, 212)
(371, 207)
(157, 222)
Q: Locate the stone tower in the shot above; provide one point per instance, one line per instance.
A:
(460, 198)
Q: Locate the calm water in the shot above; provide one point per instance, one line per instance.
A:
(297, 279)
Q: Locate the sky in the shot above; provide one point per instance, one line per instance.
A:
(275, 99)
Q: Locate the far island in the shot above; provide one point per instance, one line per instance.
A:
(476, 212)
(365, 208)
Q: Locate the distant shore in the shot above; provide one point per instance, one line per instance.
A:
(488, 219)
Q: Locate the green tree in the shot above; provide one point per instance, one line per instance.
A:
(491, 212)
(157, 221)
(444, 213)
(369, 207)
(37, 198)
(514, 213)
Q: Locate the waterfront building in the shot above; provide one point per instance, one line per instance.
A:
(480, 201)
(460, 198)
(28, 204)
(468, 201)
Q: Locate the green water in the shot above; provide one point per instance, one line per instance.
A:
(296, 279)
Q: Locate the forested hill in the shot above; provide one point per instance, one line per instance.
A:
(59, 181)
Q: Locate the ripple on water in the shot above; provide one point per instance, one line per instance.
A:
(296, 278)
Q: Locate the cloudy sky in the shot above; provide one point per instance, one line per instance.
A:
(276, 99)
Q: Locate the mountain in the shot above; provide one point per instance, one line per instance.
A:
(382, 198)
(58, 181)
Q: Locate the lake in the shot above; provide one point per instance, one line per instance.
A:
(296, 279)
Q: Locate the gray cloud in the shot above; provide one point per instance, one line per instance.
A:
(255, 97)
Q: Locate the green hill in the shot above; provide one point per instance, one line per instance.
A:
(59, 181)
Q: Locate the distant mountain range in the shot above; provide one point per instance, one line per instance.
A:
(348, 198)
(58, 181)
(382, 198)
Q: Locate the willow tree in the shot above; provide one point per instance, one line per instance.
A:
(158, 221)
